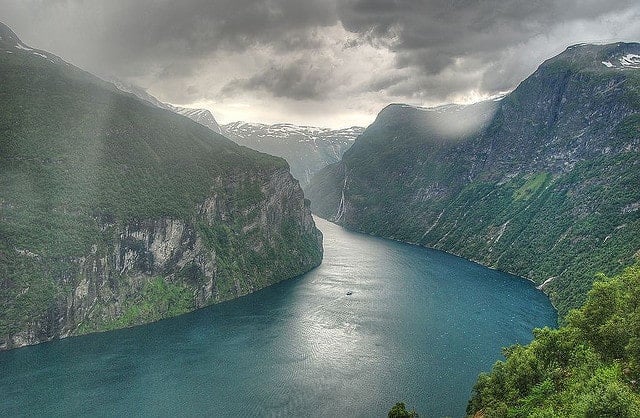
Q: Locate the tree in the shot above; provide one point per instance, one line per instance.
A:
(589, 367)
(400, 411)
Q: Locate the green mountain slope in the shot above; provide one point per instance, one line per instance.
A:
(544, 183)
(114, 212)
(588, 368)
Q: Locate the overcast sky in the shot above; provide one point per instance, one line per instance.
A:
(331, 63)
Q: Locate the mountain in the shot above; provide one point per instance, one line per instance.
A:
(202, 116)
(306, 149)
(543, 183)
(115, 213)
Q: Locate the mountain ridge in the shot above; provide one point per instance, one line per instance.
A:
(539, 188)
(307, 149)
(115, 213)
(201, 116)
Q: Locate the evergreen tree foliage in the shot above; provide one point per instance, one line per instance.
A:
(399, 410)
(590, 367)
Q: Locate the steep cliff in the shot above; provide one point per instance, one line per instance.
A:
(115, 213)
(543, 183)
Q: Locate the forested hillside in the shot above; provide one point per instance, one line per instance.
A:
(114, 212)
(543, 183)
(589, 367)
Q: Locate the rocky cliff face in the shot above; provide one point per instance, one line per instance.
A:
(115, 213)
(228, 249)
(541, 183)
(143, 270)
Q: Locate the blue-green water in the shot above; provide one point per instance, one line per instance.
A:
(419, 327)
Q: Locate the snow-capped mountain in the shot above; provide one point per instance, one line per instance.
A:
(202, 116)
(11, 44)
(307, 149)
(289, 132)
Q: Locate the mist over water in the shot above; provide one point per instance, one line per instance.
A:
(419, 327)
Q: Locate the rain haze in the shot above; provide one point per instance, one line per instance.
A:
(331, 63)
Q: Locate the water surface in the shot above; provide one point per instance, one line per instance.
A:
(419, 327)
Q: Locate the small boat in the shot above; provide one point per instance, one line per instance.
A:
(349, 293)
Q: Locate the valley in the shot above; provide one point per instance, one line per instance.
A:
(155, 260)
(301, 347)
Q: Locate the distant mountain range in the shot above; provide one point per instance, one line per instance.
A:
(307, 149)
(544, 183)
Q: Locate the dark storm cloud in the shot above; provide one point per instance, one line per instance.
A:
(466, 26)
(384, 82)
(431, 35)
(197, 26)
(324, 51)
(297, 80)
(143, 33)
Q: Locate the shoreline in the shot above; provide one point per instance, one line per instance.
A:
(537, 285)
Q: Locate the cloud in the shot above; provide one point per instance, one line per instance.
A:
(384, 82)
(317, 55)
(466, 50)
(297, 80)
(138, 35)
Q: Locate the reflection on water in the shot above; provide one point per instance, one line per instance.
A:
(418, 327)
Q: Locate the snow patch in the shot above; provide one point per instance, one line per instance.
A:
(40, 55)
(289, 132)
(24, 48)
(630, 61)
(607, 64)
